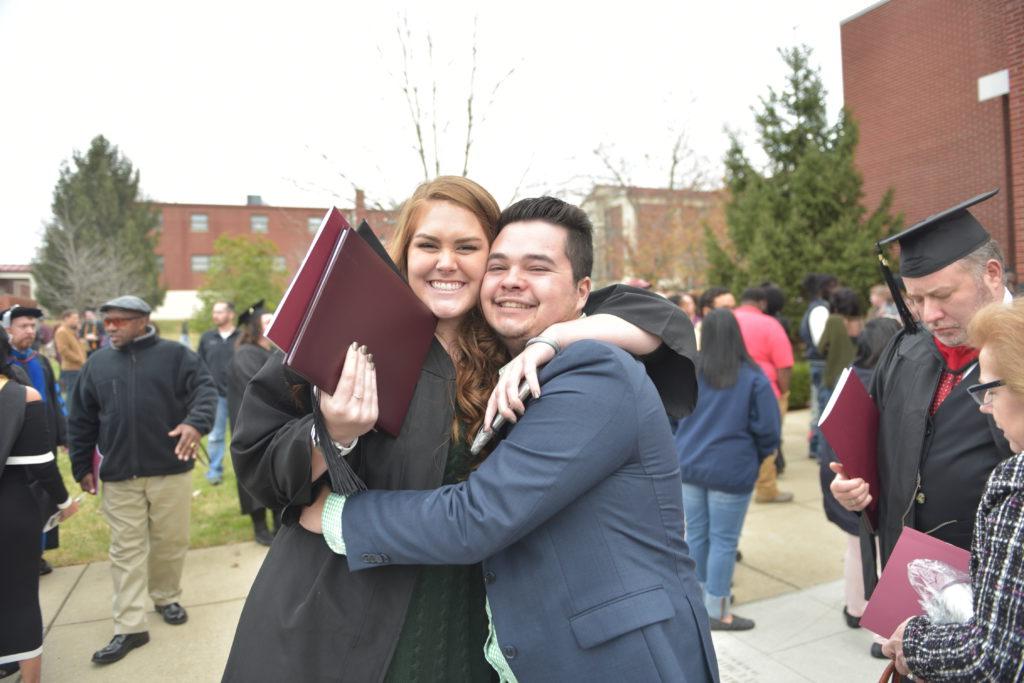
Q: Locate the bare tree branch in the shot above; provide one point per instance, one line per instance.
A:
(618, 171)
(433, 103)
(469, 101)
(412, 94)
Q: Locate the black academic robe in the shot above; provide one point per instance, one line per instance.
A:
(245, 363)
(932, 470)
(307, 617)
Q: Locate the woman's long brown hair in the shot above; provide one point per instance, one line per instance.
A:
(477, 354)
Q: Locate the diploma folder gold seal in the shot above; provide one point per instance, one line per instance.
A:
(348, 290)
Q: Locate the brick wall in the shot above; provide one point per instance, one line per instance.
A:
(910, 75)
(1014, 26)
(287, 227)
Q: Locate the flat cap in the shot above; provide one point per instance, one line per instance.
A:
(19, 312)
(127, 303)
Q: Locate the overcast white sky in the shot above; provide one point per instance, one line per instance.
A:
(299, 101)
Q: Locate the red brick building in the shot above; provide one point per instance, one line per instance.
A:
(189, 231)
(17, 286)
(652, 233)
(937, 88)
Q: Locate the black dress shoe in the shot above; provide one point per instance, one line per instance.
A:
(876, 651)
(173, 613)
(44, 567)
(851, 621)
(263, 536)
(737, 623)
(119, 646)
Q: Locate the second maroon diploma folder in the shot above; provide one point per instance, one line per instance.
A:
(357, 297)
(894, 598)
(850, 425)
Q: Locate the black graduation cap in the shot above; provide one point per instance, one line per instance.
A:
(251, 313)
(933, 244)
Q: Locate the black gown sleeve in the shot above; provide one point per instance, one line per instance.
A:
(271, 445)
(47, 475)
(671, 366)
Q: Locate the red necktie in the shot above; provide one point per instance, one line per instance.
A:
(959, 357)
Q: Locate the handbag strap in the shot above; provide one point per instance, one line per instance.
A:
(891, 675)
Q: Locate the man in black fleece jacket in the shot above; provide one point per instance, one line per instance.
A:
(143, 403)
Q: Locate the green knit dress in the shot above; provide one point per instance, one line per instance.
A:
(446, 626)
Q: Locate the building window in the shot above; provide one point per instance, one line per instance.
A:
(200, 263)
(200, 223)
(159, 264)
(279, 264)
(259, 223)
(313, 223)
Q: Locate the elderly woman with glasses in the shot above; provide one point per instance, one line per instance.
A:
(990, 645)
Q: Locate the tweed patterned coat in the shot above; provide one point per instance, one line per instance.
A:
(989, 646)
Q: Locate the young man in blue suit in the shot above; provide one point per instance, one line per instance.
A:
(577, 515)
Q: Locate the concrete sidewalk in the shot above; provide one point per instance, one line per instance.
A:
(788, 583)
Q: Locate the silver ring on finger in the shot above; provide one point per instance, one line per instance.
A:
(357, 397)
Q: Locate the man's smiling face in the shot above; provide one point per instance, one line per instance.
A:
(529, 282)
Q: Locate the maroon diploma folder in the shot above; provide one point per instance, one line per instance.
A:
(894, 598)
(850, 425)
(301, 290)
(355, 297)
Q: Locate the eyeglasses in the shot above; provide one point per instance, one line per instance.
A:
(981, 393)
(120, 322)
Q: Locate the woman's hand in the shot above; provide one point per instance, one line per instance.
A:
(351, 410)
(505, 397)
(893, 649)
(69, 510)
(311, 517)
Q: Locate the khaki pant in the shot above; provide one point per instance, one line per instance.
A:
(148, 519)
(766, 487)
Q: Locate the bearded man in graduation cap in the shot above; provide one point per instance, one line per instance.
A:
(935, 449)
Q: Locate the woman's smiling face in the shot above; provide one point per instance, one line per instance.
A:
(446, 259)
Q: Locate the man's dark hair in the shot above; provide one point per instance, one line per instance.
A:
(873, 340)
(754, 295)
(579, 242)
(707, 298)
(676, 299)
(722, 351)
(845, 302)
(775, 298)
(819, 285)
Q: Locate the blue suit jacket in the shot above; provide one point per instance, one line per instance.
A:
(577, 517)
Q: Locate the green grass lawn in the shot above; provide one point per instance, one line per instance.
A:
(216, 518)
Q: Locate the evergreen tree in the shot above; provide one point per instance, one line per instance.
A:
(242, 272)
(802, 213)
(100, 242)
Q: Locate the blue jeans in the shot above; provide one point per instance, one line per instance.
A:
(216, 440)
(714, 520)
(817, 380)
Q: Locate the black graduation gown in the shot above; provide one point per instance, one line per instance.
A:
(932, 470)
(306, 617)
(245, 363)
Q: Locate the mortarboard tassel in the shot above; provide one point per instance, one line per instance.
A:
(344, 480)
(897, 296)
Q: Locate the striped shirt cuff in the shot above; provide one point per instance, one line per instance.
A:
(330, 520)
